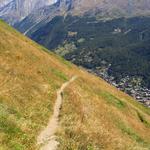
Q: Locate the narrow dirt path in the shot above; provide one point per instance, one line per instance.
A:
(47, 139)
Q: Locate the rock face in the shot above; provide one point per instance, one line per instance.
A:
(113, 8)
(15, 10)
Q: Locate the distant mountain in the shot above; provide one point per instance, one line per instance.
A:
(102, 9)
(35, 11)
(120, 28)
(15, 10)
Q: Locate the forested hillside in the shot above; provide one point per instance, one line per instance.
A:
(117, 49)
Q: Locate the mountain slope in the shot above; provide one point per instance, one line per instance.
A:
(103, 9)
(94, 115)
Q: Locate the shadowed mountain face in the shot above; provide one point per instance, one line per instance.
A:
(102, 9)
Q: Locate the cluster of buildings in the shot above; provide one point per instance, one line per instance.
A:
(130, 85)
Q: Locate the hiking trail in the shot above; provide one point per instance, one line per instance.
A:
(47, 139)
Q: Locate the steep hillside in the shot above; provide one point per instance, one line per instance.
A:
(94, 114)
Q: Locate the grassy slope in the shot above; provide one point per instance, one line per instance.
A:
(95, 115)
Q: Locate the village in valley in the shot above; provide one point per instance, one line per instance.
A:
(129, 85)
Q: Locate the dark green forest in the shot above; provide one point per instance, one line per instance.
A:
(124, 43)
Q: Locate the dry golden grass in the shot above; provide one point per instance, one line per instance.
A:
(29, 78)
(95, 115)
